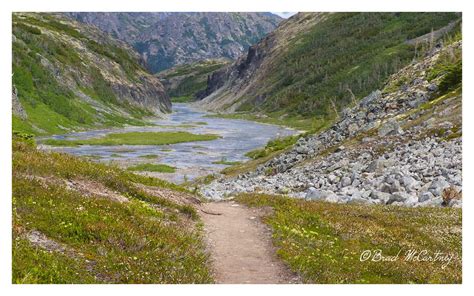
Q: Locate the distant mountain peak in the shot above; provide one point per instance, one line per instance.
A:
(167, 39)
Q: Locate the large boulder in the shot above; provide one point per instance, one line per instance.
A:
(378, 165)
(379, 195)
(438, 185)
(318, 194)
(374, 96)
(391, 127)
(399, 197)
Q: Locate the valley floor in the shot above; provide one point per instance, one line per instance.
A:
(75, 221)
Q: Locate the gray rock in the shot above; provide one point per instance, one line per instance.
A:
(352, 128)
(432, 87)
(438, 185)
(346, 181)
(302, 150)
(409, 183)
(391, 127)
(318, 194)
(446, 125)
(357, 200)
(374, 96)
(398, 197)
(455, 203)
(425, 196)
(383, 196)
(411, 201)
(331, 197)
(378, 165)
(429, 122)
(370, 116)
(332, 178)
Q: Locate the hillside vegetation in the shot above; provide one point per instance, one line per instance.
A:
(315, 64)
(76, 221)
(68, 76)
(183, 83)
(324, 242)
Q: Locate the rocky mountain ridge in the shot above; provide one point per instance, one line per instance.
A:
(166, 39)
(399, 146)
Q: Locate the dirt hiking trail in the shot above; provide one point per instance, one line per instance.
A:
(241, 247)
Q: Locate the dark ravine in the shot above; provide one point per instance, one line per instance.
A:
(186, 82)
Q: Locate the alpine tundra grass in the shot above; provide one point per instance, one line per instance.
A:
(75, 221)
(334, 243)
(136, 138)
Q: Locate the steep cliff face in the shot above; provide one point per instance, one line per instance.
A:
(314, 64)
(67, 75)
(167, 39)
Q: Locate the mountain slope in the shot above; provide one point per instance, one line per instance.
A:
(316, 63)
(184, 82)
(166, 39)
(401, 145)
(67, 75)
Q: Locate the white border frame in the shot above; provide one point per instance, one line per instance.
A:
(222, 5)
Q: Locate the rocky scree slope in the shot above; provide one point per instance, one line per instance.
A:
(316, 63)
(399, 146)
(68, 75)
(167, 39)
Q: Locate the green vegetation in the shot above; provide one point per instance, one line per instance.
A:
(45, 84)
(309, 124)
(226, 162)
(136, 138)
(356, 53)
(151, 167)
(273, 146)
(182, 99)
(149, 156)
(91, 238)
(184, 81)
(323, 242)
(452, 79)
(448, 67)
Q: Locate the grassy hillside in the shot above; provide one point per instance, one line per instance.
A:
(183, 82)
(68, 76)
(314, 65)
(347, 53)
(324, 242)
(76, 221)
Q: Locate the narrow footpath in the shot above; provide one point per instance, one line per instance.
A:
(241, 247)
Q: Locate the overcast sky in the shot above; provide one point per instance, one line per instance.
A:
(284, 14)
